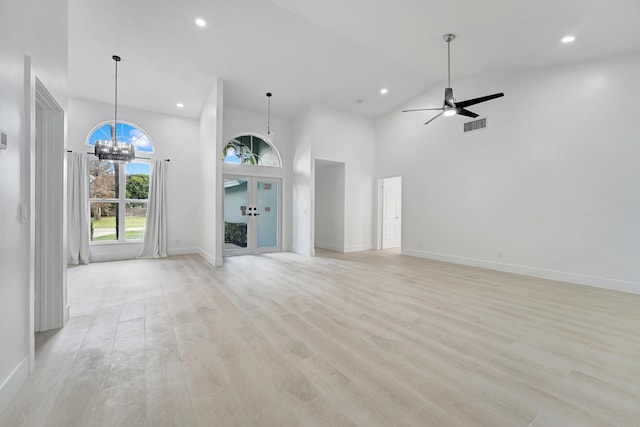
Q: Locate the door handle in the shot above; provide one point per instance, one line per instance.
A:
(254, 213)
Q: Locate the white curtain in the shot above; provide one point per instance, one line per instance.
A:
(155, 231)
(78, 208)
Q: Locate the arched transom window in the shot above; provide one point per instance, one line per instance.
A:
(251, 150)
(126, 132)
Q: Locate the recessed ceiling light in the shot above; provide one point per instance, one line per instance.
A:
(180, 105)
(384, 91)
(568, 39)
(200, 22)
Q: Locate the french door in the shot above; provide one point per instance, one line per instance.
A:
(252, 215)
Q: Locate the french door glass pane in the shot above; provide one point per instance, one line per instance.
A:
(104, 220)
(134, 220)
(267, 208)
(236, 204)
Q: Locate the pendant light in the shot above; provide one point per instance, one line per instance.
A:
(112, 150)
(269, 135)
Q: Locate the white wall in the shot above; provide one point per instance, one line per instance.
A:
(551, 188)
(302, 136)
(173, 138)
(329, 215)
(237, 122)
(210, 202)
(326, 134)
(346, 138)
(39, 29)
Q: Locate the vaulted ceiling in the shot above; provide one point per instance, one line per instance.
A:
(329, 52)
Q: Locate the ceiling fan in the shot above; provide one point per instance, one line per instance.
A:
(451, 107)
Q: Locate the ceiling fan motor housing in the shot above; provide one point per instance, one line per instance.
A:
(449, 100)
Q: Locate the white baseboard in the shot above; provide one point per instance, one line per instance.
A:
(66, 315)
(561, 276)
(10, 386)
(215, 261)
(356, 248)
(301, 251)
(207, 257)
(330, 246)
(182, 251)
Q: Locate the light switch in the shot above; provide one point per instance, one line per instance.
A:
(22, 213)
(3, 140)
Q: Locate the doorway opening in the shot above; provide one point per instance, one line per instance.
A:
(390, 212)
(329, 206)
(252, 215)
(49, 310)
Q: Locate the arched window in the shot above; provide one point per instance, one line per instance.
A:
(250, 149)
(119, 193)
(126, 132)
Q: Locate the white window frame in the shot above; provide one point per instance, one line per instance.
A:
(122, 201)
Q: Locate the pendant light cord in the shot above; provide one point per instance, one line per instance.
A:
(268, 113)
(116, 58)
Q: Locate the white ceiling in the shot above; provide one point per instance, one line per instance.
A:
(329, 52)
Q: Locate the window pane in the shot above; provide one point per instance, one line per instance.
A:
(250, 150)
(269, 158)
(125, 133)
(104, 221)
(103, 180)
(236, 204)
(134, 220)
(267, 222)
(138, 180)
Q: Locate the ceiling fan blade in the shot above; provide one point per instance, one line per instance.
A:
(474, 101)
(448, 97)
(423, 109)
(467, 113)
(433, 118)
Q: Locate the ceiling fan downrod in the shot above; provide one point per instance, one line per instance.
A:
(449, 38)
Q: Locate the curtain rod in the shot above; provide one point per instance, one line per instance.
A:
(145, 158)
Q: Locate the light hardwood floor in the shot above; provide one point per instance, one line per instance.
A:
(367, 339)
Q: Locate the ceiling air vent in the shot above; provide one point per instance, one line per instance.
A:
(475, 125)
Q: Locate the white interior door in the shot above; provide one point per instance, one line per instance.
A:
(252, 215)
(391, 212)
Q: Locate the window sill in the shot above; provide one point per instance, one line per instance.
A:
(114, 242)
